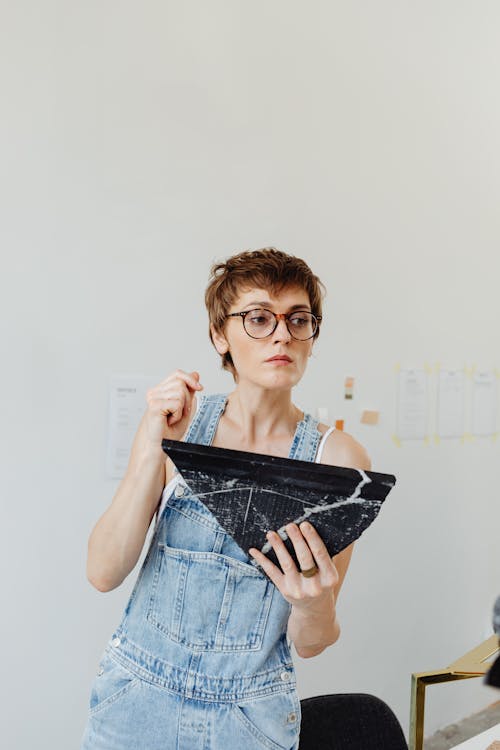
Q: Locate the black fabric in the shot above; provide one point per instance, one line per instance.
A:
(349, 721)
(493, 676)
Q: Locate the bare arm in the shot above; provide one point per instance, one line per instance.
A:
(118, 536)
(312, 632)
(117, 539)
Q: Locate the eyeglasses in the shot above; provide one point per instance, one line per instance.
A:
(260, 323)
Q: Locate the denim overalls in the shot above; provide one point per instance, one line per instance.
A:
(200, 660)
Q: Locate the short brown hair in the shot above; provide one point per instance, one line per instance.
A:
(267, 268)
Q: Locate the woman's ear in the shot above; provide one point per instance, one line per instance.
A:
(220, 341)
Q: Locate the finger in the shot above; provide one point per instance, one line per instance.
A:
(173, 400)
(188, 402)
(173, 417)
(317, 547)
(269, 567)
(173, 408)
(170, 403)
(189, 388)
(190, 378)
(284, 557)
(178, 384)
(196, 377)
(175, 389)
(302, 549)
(187, 397)
(185, 402)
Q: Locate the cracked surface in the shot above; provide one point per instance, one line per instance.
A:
(251, 496)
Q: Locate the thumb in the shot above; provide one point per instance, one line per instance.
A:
(196, 376)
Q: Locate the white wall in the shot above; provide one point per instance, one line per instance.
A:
(143, 141)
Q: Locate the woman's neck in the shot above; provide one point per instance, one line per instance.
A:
(261, 415)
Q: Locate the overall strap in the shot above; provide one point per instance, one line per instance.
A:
(204, 425)
(201, 430)
(210, 408)
(306, 440)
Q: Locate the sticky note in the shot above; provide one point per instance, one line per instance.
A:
(349, 387)
(370, 417)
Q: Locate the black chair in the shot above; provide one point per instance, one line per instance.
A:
(493, 676)
(349, 721)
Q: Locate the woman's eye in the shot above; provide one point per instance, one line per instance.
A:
(258, 319)
(298, 321)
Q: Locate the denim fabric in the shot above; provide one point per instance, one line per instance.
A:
(200, 659)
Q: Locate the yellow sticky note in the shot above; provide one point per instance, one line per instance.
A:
(370, 417)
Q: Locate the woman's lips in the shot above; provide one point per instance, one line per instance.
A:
(279, 360)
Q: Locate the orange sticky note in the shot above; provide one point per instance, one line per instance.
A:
(339, 424)
(370, 417)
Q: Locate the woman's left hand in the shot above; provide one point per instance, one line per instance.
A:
(310, 549)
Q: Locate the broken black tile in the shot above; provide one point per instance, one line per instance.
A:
(250, 493)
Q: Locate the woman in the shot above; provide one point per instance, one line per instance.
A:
(201, 658)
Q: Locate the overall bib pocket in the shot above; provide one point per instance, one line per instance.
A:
(208, 601)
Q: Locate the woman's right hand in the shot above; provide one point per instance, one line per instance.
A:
(169, 406)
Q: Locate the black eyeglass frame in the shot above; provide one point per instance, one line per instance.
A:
(278, 316)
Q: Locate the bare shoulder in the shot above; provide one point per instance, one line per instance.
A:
(341, 449)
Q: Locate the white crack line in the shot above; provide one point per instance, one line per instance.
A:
(352, 499)
(246, 514)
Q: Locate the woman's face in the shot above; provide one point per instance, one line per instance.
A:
(252, 357)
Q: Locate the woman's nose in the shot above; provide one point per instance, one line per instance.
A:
(281, 332)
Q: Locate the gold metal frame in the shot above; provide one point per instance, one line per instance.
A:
(473, 664)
